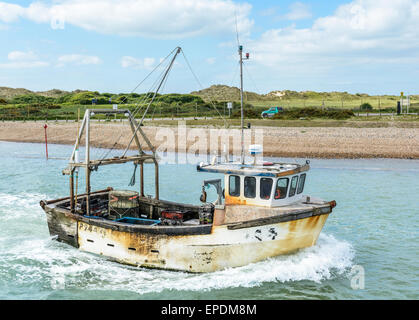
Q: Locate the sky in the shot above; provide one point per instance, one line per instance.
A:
(360, 46)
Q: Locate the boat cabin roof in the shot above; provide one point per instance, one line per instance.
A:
(265, 169)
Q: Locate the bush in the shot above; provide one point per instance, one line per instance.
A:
(366, 107)
(121, 99)
(86, 97)
(180, 98)
(247, 113)
(82, 98)
(3, 101)
(31, 98)
(310, 112)
(65, 98)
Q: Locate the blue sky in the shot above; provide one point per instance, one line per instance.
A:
(369, 46)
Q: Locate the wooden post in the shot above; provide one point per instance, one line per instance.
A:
(142, 179)
(72, 191)
(379, 105)
(156, 177)
(46, 141)
(87, 161)
(137, 142)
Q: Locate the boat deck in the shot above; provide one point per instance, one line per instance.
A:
(240, 213)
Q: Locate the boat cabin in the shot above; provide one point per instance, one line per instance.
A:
(267, 184)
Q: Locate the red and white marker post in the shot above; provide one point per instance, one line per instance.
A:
(46, 141)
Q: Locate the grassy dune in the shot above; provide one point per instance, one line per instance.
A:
(22, 104)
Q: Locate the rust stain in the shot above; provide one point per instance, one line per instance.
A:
(292, 226)
(201, 253)
(291, 172)
(229, 200)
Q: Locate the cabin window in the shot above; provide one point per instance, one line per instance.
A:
(265, 188)
(234, 186)
(250, 187)
(293, 186)
(281, 188)
(301, 183)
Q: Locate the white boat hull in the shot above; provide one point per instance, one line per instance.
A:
(222, 248)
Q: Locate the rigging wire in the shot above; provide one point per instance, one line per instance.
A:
(237, 31)
(251, 79)
(161, 96)
(197, 80)
(139, 105)
(166, 74)
(161, 62)
(153, 90)
(236, 68)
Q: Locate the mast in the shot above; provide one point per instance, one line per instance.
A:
(241, 101)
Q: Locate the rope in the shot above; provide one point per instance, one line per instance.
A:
(132, 182)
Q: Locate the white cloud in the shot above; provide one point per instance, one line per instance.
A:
(148, 62)
(20, 55)
(78, 59)
(363, 30)
(127, 62)
(10, 12)
(28, 59)
(23, 60)
(298, 11)
(210, 60)
(271, 11)
(24, 64)
(153, 19)
(138, 63)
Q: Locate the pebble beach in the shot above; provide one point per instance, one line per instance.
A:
(303, 142)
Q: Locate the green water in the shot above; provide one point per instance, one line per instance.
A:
(374, 227)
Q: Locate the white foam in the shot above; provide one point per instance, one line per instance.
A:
(15, 206)
(37, 259)
(45, 260)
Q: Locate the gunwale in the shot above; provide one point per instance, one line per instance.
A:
(293, 213)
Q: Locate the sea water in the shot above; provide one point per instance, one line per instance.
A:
(368, 248)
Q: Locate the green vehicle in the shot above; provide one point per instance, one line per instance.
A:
(271, 112)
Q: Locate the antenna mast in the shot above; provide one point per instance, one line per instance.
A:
(241, 100)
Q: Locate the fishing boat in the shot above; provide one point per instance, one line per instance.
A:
(260, 212)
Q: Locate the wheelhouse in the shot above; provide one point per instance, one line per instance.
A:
(268, 185)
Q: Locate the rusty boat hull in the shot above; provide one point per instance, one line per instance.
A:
(191, 248)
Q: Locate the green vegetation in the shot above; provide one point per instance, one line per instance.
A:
(31, 98)
(365, 107)
(309, 113)
(22, 104)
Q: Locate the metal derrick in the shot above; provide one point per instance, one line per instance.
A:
(141, 158)
(91, 165)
